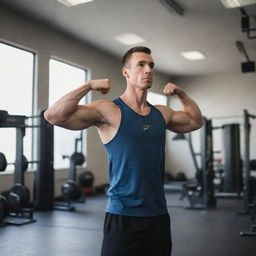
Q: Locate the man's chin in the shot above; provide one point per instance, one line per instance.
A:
(148, 86)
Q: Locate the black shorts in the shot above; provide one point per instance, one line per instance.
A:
(136, 236)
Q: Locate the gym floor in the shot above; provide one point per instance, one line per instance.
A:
(195, 232)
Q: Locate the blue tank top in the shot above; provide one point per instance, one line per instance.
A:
(136, 157)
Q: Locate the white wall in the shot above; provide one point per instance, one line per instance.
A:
(217, 95)
(46, 42)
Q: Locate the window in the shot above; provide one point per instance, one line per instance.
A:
(63, 79)
(16, 96)
(156, 98)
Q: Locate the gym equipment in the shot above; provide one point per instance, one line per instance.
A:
(208, 199)
(3, 162)
(249, 182)
(232, 167)
(44, 177)
(253, 165)
(3, 200)
(70, 190)
(3, 208)
(247, 171)
(77, 158)
(180, 176)
(200, 191)
(86, 180)
(18, 197)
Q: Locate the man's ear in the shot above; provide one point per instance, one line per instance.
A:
(125, 72)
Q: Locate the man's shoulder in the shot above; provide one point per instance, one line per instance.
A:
(104, 106)
(165, 111)
(108, 110)
(162, 108)
(105, 103)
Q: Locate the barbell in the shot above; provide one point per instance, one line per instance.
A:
(4, 163)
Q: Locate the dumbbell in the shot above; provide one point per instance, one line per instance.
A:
(18, 197)
(70, 191)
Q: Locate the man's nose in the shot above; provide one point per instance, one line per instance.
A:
(147, 69)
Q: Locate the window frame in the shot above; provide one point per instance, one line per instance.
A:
(88, 99)
(33, 94)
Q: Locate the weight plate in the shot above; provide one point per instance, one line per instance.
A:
(3, 162)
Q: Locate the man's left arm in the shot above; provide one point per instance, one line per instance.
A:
(189, 119)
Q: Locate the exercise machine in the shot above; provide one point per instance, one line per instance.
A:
(200, 191)
(249, 198)
(20, 211)
(19, 195)
(71, 191)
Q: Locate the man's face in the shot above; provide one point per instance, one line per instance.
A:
(139, 70)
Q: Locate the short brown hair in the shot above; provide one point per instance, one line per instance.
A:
(128, 54)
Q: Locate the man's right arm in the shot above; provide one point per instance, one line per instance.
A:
(68, 114)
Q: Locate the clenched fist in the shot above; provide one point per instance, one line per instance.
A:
(172, 89)
(101, 85)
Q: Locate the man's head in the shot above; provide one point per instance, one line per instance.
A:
(129, 53)
(138, 67)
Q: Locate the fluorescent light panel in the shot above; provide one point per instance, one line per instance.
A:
(237, 3)
(193, 55)
(129, 39)
(70, 3)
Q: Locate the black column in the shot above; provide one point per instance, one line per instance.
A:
(232, 165)
(44, 180)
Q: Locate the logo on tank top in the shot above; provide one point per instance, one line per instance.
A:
(146, 127)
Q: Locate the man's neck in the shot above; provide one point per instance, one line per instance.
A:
(136, 99)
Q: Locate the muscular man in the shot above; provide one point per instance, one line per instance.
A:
(133, 133)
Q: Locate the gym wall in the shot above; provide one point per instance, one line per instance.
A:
(217, 95)
(33, 35)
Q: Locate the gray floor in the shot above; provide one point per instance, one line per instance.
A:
(195, 233)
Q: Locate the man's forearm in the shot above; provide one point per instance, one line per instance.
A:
(190, 107)
(67, 105)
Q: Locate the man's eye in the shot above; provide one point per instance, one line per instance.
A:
(141, 64)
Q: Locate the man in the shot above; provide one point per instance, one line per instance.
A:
(133, 133)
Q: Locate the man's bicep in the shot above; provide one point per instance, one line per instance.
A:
(180, 122)
(84, 117)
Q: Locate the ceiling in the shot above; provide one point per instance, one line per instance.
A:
(205, 26)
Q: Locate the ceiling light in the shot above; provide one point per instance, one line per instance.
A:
(73, 2)
(237, 3)
(129, 38)
(194, 55)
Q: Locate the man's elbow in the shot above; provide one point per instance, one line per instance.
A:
(198, 123)
(51, 118)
